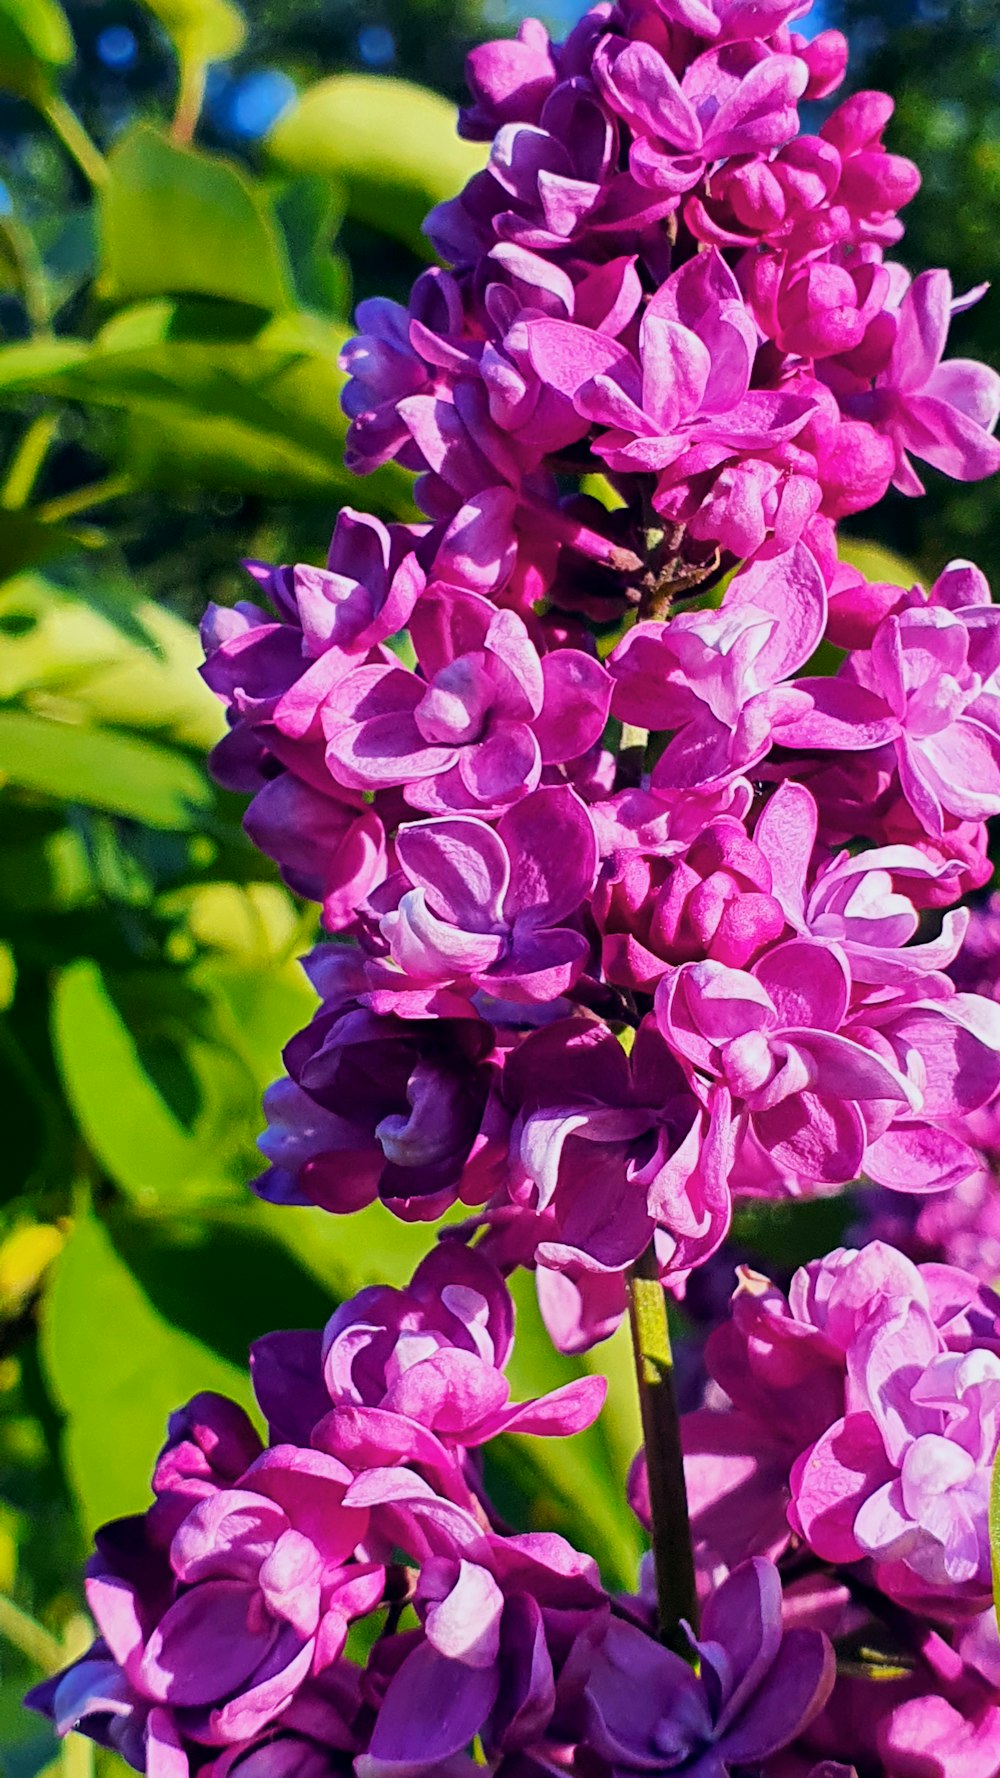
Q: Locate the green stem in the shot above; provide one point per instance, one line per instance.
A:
(81, 148)
(66, 506)
(78, 1757)
(654, 1362)
(31, 276)
(31, 1638)
(190, 99)
(27, 462)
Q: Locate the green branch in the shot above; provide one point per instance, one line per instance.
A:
(672, 1553)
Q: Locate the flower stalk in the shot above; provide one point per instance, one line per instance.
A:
(673, 1556)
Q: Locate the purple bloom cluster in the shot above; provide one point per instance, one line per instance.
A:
(849, 1434)
(584, 823)
(640, 824)
(224, 1612)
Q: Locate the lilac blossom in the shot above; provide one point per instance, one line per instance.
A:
(378, 1107)
(716, 678)
(942, 412)
(756, 1687)
(488, 908)
(473, 733)
(919, 690)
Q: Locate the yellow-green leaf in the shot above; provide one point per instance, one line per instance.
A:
(59, 652)
(174, 220)
(101, 769)
(877, 563)
(35, 45)
(118, 1369)
(125, 1120)
(203, 30)
(392, 145)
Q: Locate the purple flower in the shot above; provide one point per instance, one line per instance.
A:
(713, 899)
(487, 909)
(788, 1375)
(378, 1107)
(506, 1629)
(435, 1353)
(686, 401)
(364, 595)
(859, 902)
(474, 731)
(904, 1477)
(714, 677)
(757, 1686)
(210, 1443)
(509, 80)
(384, 366)
(943, 413)
(254, 1594)
(327, 848)
(617, 1148)
(796, 1081)
(735, 100)
(919, 691)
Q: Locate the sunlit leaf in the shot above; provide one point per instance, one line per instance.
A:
(117, 1369)
(175, 220)
(8, 977)
(203, 30)
(217, 398)
(877, 563)
(135, 668)
(102, 769)
(125, 1119)
(35, 45)
(391, 144)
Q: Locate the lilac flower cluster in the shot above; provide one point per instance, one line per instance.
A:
(849, 1434)
(563, 775)
(225, 1612)
(640, 824)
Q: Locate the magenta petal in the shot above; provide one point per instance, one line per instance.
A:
(461, 865)
(846, 1465)
(577, 700)
(566, 356)
(551, 842)
(807, 982)
(843, 715)
(565, 1411)
(208, 1644)
(792, 589)
(433, 1708)
(503, 767)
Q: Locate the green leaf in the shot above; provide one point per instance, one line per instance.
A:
(117, 1369)
(390, 143)
(35, 45)
(877, 563)
(133, 666)
(8, 977)
(217, 399)
(995, 1533)
(203, 30)
(125, 1120)
(102, 770)
(174, 220)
